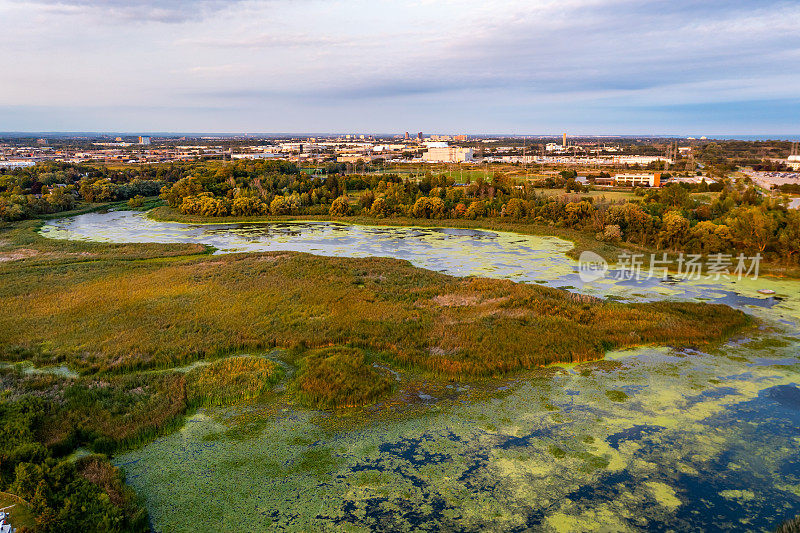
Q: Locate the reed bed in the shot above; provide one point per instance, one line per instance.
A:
(339, 377)
(233, 380)
(123, 316)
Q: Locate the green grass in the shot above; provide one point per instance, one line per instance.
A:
(601, 194)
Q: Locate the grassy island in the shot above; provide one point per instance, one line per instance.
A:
(136, 335)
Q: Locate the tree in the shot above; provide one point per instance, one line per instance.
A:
(515, 208)
(248, 205)
(476, 209)
(674, 195)
(279, 205)
(428, 207)
(577, 211)
(181, 189)
(789, 235)
(753, 227)
(204, 204)
(136, 202)
(674, 230)
(379, 207)
(710, 238)
(340, 207)
(367, 198)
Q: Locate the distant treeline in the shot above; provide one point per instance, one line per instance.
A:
(738, 219)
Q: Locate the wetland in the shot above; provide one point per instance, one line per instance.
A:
(407, 378)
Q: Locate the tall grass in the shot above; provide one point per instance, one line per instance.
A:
(339, 377)
(107, 315)
(126, 316)
(232, 380)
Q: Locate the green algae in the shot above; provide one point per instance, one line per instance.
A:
(616, 445)
(427, 460)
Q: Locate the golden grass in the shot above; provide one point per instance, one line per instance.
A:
(339, 377)
(127, 316)
(233, 380)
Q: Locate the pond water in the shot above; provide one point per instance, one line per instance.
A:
(646, 439)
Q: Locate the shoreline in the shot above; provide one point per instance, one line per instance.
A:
(580, 240)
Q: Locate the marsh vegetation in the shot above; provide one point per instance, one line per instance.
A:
(128, 317)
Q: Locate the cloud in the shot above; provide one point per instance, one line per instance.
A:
(172, 11)
(266, 41)
(455, 61)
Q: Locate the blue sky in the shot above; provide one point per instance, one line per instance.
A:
(524, 67)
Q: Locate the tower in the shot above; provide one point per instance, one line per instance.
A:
(564, 142)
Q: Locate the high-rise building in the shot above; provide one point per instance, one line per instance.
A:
(564, 142)
(419, 136)
(144, 140)
(408, 136)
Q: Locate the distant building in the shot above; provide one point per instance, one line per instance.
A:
(638, 180)
(41, 141)
(552, 147)
(419, 136)
(17, 163)
(448, 154)
(256, 155)
(407, 137)
(144, 140)
(640, 159)
(564, 142)
(354, 158)
(461, 138)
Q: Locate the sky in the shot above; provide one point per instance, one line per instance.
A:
(590, 67)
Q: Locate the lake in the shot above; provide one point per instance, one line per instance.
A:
(649, 439)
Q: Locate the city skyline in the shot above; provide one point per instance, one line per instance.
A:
(589, 67)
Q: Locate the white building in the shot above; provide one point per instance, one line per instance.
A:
(144, 140)
(448, 154)
(256, 155)
(638, 180)
(640, 159)
(17, 163)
